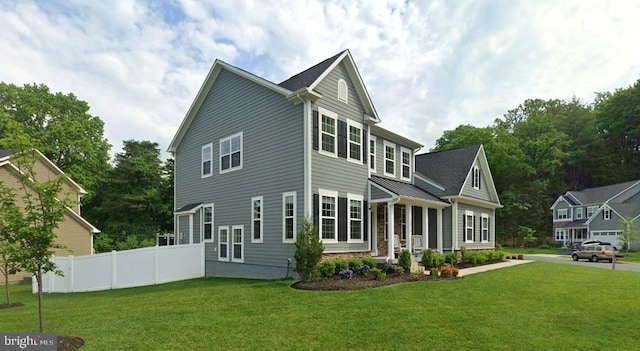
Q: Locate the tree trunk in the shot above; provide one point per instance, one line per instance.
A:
(40, 307)
(6, 287)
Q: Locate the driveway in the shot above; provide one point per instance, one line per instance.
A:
(566, 259)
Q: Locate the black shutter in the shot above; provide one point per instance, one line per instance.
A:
(315, 130)
(342, 219)
(464, 227)
(316, 210)
(365, 221)
(342, 139)
(365, 147)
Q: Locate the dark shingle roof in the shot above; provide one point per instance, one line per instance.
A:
(189, 207)
(404, 189)
(600, 194)
(448, 167)
(5, 153)
(308, 76)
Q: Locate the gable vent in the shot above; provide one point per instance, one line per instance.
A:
(343, 93)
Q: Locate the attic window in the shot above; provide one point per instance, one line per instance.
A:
(476, 178)
(343, 93)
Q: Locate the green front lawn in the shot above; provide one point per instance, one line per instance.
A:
(535, 306)
(534, 250)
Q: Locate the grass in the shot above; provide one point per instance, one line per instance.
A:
(628, 256)
(535, 306)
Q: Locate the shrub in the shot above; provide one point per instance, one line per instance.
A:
(449, 271)
(427, 258)
(491, 256)
(438, 260)
(520, 256)
(499, 255)
(482, 257)
(346, 274)
(369, 261)
(498, 247)
(399, 270)
(543, 246)
(451, 258)
(362, 270)
(355, 262)
(341, 265)
(391, 268)
(404, 260)
(380, 275)
(309, 251)
(463, 255)
(327, 268)
(473, 258)
(434, 272)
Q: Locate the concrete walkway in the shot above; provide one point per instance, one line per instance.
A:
(467, 271)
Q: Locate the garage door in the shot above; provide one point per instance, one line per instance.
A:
(609, 237)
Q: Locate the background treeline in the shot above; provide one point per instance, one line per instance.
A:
(536, 152)
(543, 148)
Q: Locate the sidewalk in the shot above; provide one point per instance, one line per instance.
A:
(467, 271)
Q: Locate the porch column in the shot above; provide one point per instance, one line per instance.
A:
(440, 221)
(390, 229)
(425, 227)
(409, 225)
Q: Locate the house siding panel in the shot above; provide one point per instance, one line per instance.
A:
(272, 163)
(483, 192)
(337, 173)
(477, 213)
(446, 229)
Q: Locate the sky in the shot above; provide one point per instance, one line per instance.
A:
(429, 66)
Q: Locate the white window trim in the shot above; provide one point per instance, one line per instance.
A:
(467, 226)
(578, 212)
(395, 154)
(606, 213)
(343, 87)
(220, 155)
(402, 164)
(334, 194)
(202, 161)
(333, 115)
(350, 124)
(560, 234)
(261, 219)
(233, 243)
(482, 229)
(566, 214)
(372, 152)
(476, 178)
(220, 242)
(284, 217)
(212, 222)
(349, 219)
(592, 209)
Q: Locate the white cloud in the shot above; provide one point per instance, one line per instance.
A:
(429, 66)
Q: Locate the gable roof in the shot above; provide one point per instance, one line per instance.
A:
(4, 153)
(448, 167)
(307, 77)
(600, 194)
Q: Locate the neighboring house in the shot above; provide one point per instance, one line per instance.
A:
(254, 158)
(74, 232)
(596, 213)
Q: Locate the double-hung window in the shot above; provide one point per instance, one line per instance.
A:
(206, 169)
(328, 132)
(207, 222)
(238, 243)
(468, 227)
(256, 219)
(559, 234)
(389, 159)
(591, 210)
(355, 217)
(485, 227)
(406, 164)
(563, 213)
(328, 215)
(578, 212)
(223, 243)
(231, 153)
(289, 217)
(372, 153)
(355, 141)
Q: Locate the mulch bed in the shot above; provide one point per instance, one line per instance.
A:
(69, 343)
(358, 282)
(5, 306)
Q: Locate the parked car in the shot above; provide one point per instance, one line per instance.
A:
(596, 252)
(579, 244)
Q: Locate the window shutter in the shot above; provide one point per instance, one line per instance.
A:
(365, 221)
(315, 130)
(464, 227)
(365, 147)
(342, 219)
(342, 139)
(316, 210)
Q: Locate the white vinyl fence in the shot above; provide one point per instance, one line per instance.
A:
(125, 269)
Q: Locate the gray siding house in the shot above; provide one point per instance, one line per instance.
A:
(596, 213)
(254, 158)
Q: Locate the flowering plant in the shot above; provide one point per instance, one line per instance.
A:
(345, 274)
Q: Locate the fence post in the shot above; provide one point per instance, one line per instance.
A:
(113, 269)
(155, 264)
(71, 273)
(202, 255)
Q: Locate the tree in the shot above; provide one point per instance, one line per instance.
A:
(309, 251)
(130, 205)
(527, 234)
(42, 209)
(61, 128)
(629, 233)
(10, 223)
